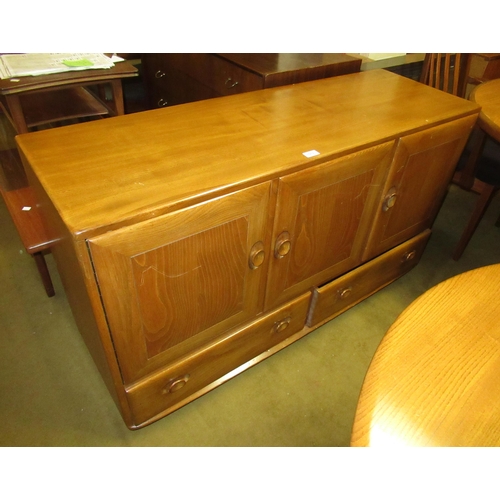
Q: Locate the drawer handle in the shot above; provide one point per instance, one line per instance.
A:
(389, 200)
(162, 103)
(257, 255)
(283, 245)
(409, 255)
(230, 85)
(282, 325)
(345, 293)
(159, 74)
(176, 384)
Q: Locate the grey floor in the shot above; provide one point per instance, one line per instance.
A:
(51, 394)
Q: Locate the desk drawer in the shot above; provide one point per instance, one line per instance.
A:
(188, 378)
(341, 294)
(228, 79)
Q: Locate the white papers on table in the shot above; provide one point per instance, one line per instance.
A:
(16, 65)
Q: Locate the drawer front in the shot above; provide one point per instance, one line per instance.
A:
(339, 295)
(175, 78)
(179, 383)
(226, 78)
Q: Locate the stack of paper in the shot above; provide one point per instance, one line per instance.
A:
(16, 65)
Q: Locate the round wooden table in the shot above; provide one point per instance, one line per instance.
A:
(487, 95)
(435, 378)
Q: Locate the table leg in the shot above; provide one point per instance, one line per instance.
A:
(15, 111)
(117, 90)
(467, 175)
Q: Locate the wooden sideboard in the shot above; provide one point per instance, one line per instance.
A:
(195, 241)
(179, 78)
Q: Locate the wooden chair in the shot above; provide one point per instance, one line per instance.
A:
(446, 72)
(488, 174)
(450, 73)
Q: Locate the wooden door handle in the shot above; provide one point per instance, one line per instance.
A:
(257, 255)
(283, 245)
(389, 200)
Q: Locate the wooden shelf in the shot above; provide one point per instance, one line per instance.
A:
(61, 104)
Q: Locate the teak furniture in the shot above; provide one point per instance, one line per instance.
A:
(445, 72)
(22, 206)
(486, 95)
(194, 241)
(179, 78)
(30, 101)
(435, 378)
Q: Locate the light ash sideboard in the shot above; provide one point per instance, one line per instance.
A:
(197, 240)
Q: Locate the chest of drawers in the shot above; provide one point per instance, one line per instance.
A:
(179, 78)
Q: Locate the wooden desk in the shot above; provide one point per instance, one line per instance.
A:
(179, 78)
(20, 97)
(435, 378)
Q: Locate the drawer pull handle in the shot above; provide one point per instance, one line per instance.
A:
(162, 103)
(230, 85)
(283, 245)
(257, 255)
(159, 74)
(176, 384)
(282, 325)
(389, 200)
(345, 293)
(409, 255)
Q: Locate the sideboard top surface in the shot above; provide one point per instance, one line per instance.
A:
(110, 173)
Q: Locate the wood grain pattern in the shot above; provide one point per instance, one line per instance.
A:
(174, 283)
(125, 169)
(185, 233)
(327, 211)
(421, 170)
(488, 94)
(435, 378)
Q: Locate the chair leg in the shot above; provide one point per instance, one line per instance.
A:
(478, 212)
(44, 273)
(467, 174)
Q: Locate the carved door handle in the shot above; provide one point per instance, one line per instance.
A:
(176, 384)
(279, 326)
(389, 200)
(283, 245)
(257, 255)
(410, 255)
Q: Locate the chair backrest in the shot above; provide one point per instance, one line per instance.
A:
(446, 72)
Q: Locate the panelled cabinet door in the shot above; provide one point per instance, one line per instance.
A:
(418, 178)
(171, 284)
(322, 221)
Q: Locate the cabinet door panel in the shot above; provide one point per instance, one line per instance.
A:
(322, 220)
(419, 175)
(173, 283)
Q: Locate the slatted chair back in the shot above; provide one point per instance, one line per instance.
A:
(445, 72)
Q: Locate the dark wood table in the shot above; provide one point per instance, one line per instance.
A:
(33, 100)
(435, 378)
